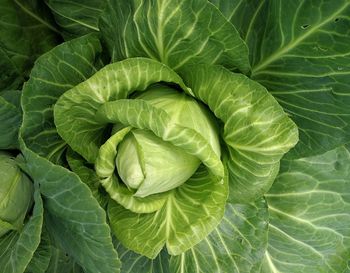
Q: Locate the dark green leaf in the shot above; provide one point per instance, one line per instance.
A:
(87, 175)
(42, 255)
(26, 32)
(10, 119)
(77, 18)
(74, 217)
(62, 263)
(54, 73)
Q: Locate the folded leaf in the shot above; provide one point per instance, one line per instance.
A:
(256, 130)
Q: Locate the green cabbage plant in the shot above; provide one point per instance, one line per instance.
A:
(182, 136)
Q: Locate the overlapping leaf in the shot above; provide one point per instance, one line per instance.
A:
(10, 118)
(55, 72)
(309, 206)
(133, 262)
(77, 18)
(74, 218)
(256, 130)
(76, 109)
(26, 32)
(42, 256)
(176, 33)
(236, 245)
(190, 213)
(300, 52)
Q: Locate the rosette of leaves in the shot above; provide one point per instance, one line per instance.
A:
(297, 50)
(154, 140)
(173, 137)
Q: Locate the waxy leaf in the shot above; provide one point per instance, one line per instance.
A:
(73, 216)
(54, 73)
(309, 207)
(176, 33)
(256, 131)
(299, 51)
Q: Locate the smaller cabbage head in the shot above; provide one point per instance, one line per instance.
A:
(16, 191)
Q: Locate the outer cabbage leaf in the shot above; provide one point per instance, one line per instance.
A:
(60, 262)
(80, 167)
(188, 215)
(55, 72)
(42, 256)
(10, 118)
(77, 18)
(309, 206)
(237, 245)
(300, 53)
(76, 109)
(256, 131)
(176, 33)
(27, 31)
(73, 216)
(17, 248)
(133, 262)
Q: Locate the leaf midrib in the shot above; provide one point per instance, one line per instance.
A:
(291, 45)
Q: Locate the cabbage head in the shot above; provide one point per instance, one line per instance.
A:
(168, 146)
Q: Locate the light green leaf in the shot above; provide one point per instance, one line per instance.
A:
(17, 248)
(133, 262)
(300, 53)
(105, 169)
(141, 114)
(190, 213)
(55, 72)
(176, 33)
(10, 119)
(309, 206)
(185, 110)
(23, 24)
(73, 216)
(256, 130)
(75, 110)
(237, 245)
(77, 18)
